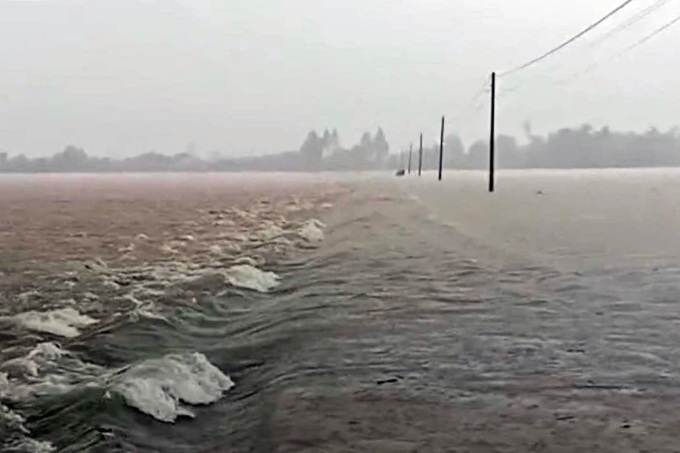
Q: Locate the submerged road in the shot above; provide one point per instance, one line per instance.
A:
(429, 337)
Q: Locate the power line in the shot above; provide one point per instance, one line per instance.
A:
(618, 55)
(568, 41)
(621, 27)
(650, 36)
(631, 21)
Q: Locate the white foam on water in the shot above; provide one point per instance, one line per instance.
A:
(159, 387)
(250, 277)
(175, 272)
(69, 284)
(145, 291)
(281, 240)
(53, 371)
(164, 388)
(167, 248)
(28, 445)
(4, 384)
(232, 236)
(249, 260)
(143, 309)
(48, 351)
(28, 295)
(312, 230)
(18, 367)
(127, 249)
(11, 419)
(15, 432)
(46, 370)
(63, 322)
(26, 369)
(269, 232)
(231, 247)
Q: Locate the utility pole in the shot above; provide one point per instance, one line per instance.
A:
(441, 150)
(492, 141)
(420, 155)
(410, 153)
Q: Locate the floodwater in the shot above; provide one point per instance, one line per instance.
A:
(417, 316)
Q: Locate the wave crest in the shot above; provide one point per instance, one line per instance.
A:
(158, 387)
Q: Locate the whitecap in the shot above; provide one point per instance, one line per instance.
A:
(145, 291)
(270, 232)
(250, 277)
(165, 388)
(231, 247)
(108, 283)
(28, 295)
(15, 434)
(127, 249)
(146, 309)
(158, 387)
(46, 351)
(18, 367)
(167, 248)
(312, 230)
(47, 370)
(28, 445)
(4, 384)
(249, 260)
(27, 367)
(63, 322)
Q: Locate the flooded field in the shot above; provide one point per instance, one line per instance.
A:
(340, 313)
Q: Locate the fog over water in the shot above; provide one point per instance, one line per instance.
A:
(129, 77)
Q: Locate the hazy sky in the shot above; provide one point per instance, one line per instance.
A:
(120, 77)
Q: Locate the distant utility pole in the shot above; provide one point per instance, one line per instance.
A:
(410, 153)
(492, 141)
(420, 155)
(441, 150)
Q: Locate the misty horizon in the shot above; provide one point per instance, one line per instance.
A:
(248, 80)
(582, 147)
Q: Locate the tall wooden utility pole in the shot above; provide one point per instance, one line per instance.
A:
(441, 150)
(420, 155)
(410, 153)
(492, 140)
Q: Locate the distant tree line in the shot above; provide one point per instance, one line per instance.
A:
(583, 147)
(317, 152)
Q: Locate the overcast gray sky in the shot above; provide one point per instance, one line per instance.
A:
(120, 77)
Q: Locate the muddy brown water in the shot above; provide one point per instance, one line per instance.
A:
(432, 317)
